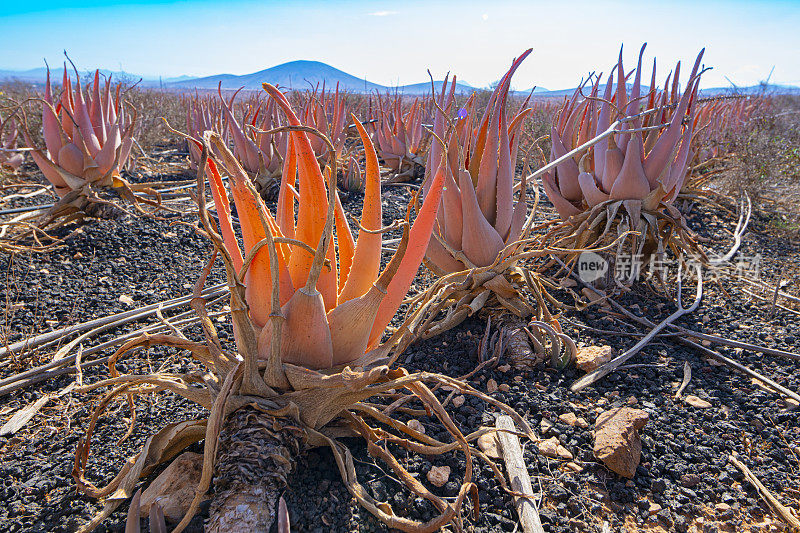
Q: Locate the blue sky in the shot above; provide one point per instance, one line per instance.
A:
(395, 42)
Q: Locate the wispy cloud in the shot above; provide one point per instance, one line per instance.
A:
(383, 13)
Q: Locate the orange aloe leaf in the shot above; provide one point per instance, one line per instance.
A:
(312, 207)
(479, 241)
(258, 278)
(351, 322)
(504, 184)
(419, 236)
(224, 213)
(367, 255)
(305, 334)
(344, 241)
(285, 209)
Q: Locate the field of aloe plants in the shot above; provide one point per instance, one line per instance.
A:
(322, 311)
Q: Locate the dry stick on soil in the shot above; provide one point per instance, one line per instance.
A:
(681, 338)
(763, 285)
(612, 365)
(714, 355)
(680, 330)
(779, 306)
(779, 508)
(116, 319)
(518, 475)
(68, 365)
(687, 375)
(61, 360)
(741, 227)
(24, 415)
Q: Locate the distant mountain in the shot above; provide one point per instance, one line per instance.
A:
(293, 75)
(304, 74)
(425, 88)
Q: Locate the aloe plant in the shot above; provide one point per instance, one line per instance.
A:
(645, 160)
(401, 139)
(479, 216)
(352, 179)
(88, 136)
(202, 114)
(718, 120)
(328, 113)
(259, 154)
(347, 304)
(308, 318)
(629, 159)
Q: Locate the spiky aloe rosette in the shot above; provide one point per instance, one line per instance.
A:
(327, 112)
(623, 183)
(401, 138)
(279, 395)
(202, 114)
(477, 246)
(260, 154)
(88, 139)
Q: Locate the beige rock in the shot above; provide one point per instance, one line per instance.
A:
(591, 357)
(489, 445)
(545, 425)
(568, 418)
(694, 401)
(416, 425)
(572, 420)
(491, 386)
(552, 448)
(575, 467)
(458, 401)
(617, 441)
(174, 488)
(503, 387)
(722, 507)
(438, 475)
(654, 508)
(504, 368)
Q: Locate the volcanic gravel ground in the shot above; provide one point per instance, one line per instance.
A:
(684, 466)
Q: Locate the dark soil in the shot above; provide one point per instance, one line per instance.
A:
(684, 467)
